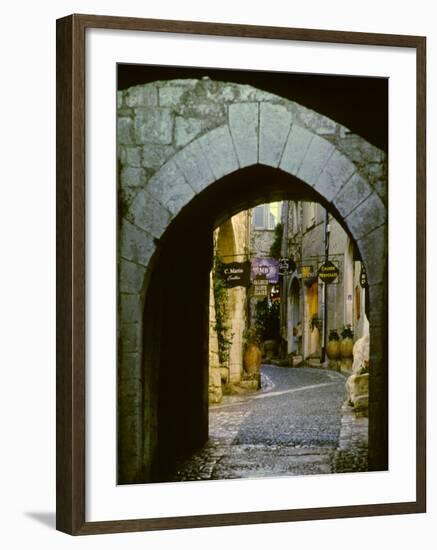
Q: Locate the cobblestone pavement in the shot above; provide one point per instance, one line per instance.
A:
(296, 425)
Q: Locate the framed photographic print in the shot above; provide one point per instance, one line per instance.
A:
(239, 209)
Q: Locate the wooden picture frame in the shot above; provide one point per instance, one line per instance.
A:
(71, 277)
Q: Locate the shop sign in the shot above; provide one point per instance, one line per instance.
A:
(236, 274)
(328, 272)
(306, 271)
(260, 286)
(267, 267)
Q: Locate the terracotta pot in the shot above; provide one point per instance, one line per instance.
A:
(346, 348)
(270, 347)
(252, 358)
(333, 349)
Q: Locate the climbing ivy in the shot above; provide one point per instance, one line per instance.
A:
(275, 249)
(221, 326)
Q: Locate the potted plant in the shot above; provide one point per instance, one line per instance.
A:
(252, 351)
(333, 346)
(347, 342)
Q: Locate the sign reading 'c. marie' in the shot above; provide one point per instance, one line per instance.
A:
(236, 274)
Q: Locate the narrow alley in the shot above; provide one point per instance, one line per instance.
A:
(293, 426)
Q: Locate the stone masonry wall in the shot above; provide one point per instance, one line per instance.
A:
(175, 138)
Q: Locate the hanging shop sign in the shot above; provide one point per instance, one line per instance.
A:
(267, 267)
(260, 286)
(236, 274)
(306, 271)
(286, 266)
(363, 277)
(328, 272)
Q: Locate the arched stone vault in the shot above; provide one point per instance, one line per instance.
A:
(175, 139)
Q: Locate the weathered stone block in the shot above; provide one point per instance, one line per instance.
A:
(369, 214)
(171, 95)
(274, 127)
(193, 164)
(315, 122)
(295, 149)
(130, 337)
(131, 156)
(125, 130)
(136, 244)
(154, 156)
(153, 125)
(142, 96)
(169, 187)
(131, 277)
(334, 175)
(219, 152)
(243, 123)
(373, 249)
(317, 155)
(352, 194)
(132, 177)
(360, 151)
(186, 129)
(149, 213)
(131, 308)
(130, 368)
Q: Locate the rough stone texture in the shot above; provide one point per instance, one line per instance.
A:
(125, 131)
(354, 192)
(153, 125)
(218, 149)
(335, 174)
(243, 123)
(193, 164)
(317, 155)
(149, 214)
(186, 129)
(155, 156)
(169, 187)
(132, 177)
(275, 121)
(295, 149)
(369, 214)
(131, 156)
(135, 244)
(141, 96)
(130, 308)
(131, 277)
(130, 337)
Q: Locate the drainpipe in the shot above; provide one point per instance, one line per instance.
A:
(325, 293)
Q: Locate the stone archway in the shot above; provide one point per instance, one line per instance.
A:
(177, 139)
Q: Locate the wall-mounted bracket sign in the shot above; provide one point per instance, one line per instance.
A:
(328, 272)
(286, 266)
(236, 274)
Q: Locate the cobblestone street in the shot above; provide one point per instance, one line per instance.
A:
(295, 425)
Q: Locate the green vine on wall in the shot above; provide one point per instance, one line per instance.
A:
(221, 326)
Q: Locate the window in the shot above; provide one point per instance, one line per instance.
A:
(267, 216)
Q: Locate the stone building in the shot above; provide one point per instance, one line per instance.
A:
(312, 236)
